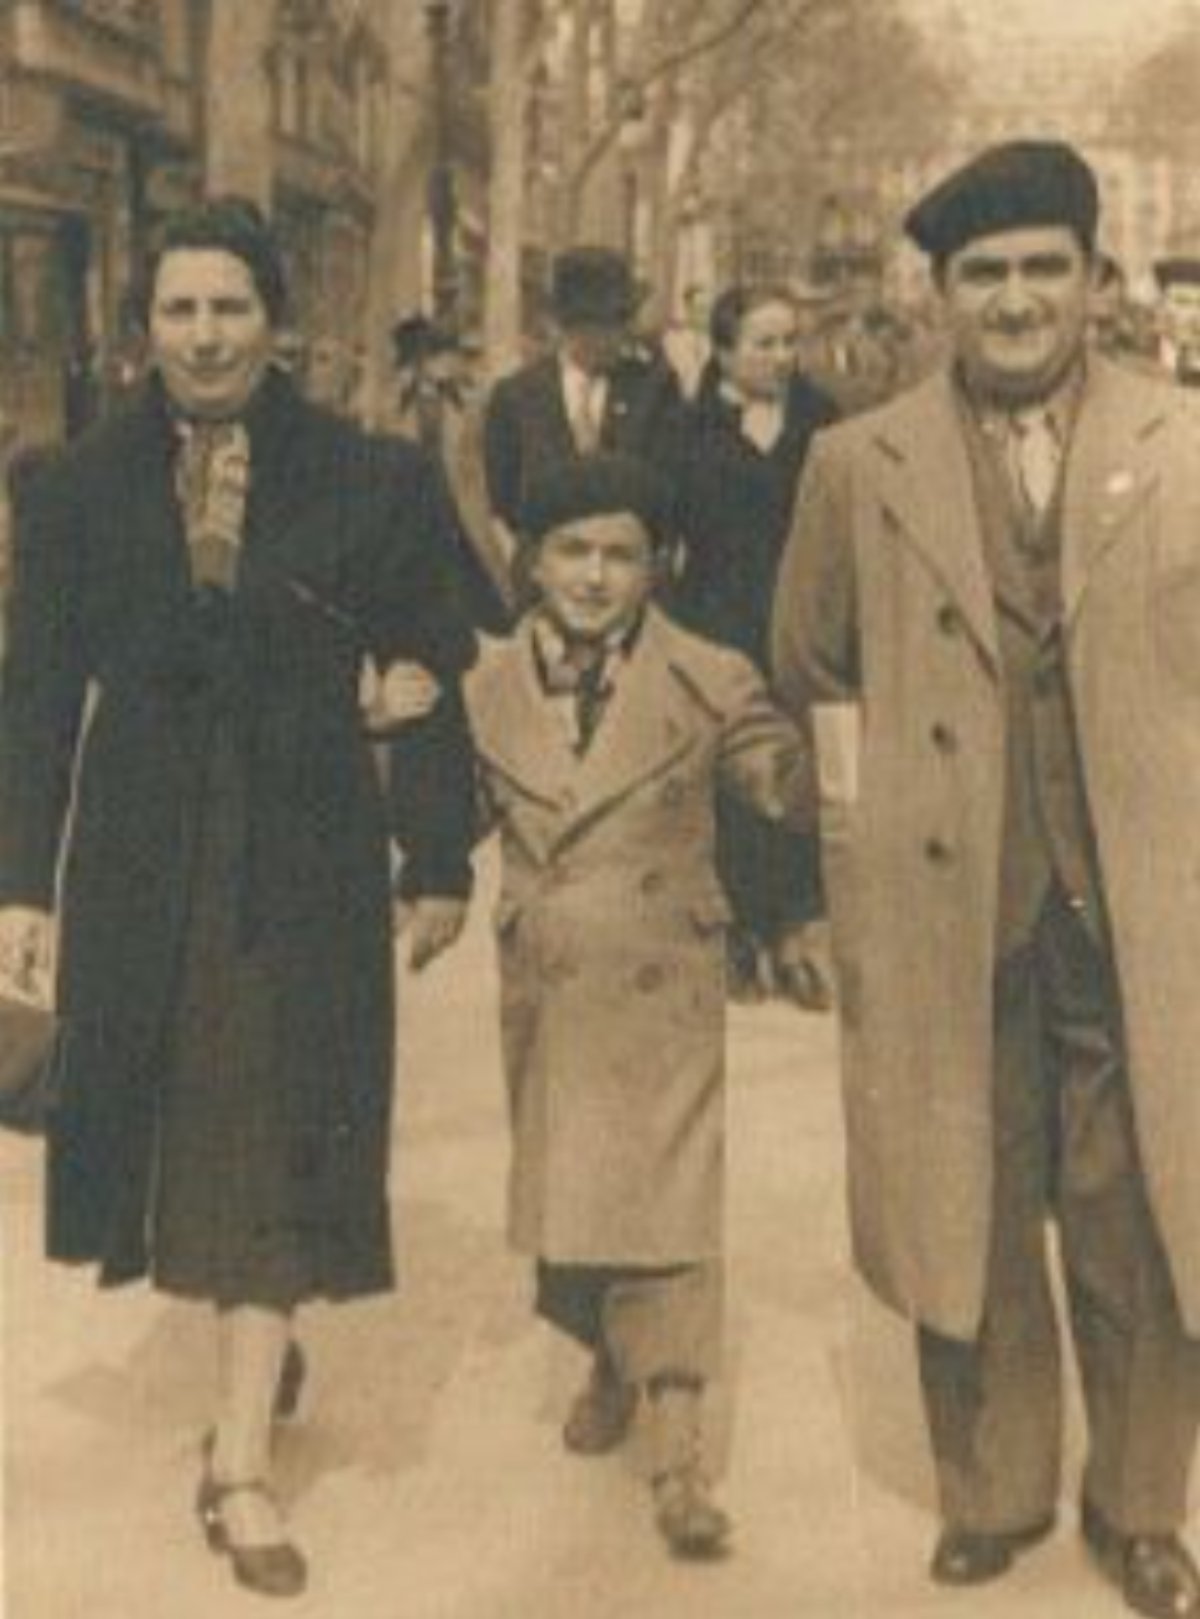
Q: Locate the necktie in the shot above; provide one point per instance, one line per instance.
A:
(586, 421)
(1036, 456)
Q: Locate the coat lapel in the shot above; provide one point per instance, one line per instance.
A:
(153, 524)
(515, 729)
(1110, 473)
(929, 500)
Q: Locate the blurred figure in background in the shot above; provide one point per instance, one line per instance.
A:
(746, 438)
(599, 390)
(1178, 281)
(438, 405)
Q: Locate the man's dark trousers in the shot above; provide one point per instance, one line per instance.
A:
(1065, 1144)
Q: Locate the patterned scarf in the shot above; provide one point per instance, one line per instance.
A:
(212, 477)
(579, 676)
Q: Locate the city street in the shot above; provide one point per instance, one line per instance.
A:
(425, 1475)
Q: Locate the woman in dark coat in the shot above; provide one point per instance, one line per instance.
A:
(198, 585)
(747, 435)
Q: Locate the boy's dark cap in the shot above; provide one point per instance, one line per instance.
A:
(1007, 187)
(595, 485)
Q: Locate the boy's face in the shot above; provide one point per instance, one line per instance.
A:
(595, 573)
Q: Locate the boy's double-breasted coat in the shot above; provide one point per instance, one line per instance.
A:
(610, 923)
(885, 603)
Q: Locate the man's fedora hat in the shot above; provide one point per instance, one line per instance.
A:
(593, 286)
(1007, 187)
(1180, 269)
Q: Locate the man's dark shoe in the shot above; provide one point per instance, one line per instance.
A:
(973, 1556)
(1154, 1573)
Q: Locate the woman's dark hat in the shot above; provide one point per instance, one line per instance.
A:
(416, 338)
(593, 286)
(593, 486)
(1008, 187)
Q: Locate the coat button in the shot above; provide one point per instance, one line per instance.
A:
(949, 619)
(938, 852)
(651, 883)
(649, 978)
(943, 737)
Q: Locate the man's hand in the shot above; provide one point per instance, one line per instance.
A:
(28, 944)
(433, 924)
(405, 691)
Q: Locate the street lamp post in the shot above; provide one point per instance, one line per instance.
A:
(443, 208)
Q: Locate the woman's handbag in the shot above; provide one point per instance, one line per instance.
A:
(27, 1033)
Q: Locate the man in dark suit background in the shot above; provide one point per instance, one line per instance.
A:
(598, 390)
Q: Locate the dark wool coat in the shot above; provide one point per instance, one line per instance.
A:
(735, 511)
(341, 558)
(527, 432)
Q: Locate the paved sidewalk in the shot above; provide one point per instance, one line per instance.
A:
(426, 1479)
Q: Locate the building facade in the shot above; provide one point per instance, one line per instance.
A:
(111, 112)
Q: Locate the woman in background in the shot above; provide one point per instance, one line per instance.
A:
(747, 436)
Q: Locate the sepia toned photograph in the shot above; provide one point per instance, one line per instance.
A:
(599, 809)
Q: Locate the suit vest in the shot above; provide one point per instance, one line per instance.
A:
(1047, 828)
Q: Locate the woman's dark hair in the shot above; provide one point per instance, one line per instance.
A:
(732, 306)
(227, 224)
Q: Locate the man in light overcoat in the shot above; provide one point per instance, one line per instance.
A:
(989, 611)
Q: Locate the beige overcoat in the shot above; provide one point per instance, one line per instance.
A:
(885, 601)
(610, 925)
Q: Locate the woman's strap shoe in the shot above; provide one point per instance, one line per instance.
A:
(277, 1569)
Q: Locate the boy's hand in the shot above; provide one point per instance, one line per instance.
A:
(433, 924)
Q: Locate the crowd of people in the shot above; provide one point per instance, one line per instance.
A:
(763, 693)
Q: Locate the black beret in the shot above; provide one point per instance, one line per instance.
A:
(593, 485)
(1179, 270)
(593, 285)
(1008, 187)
